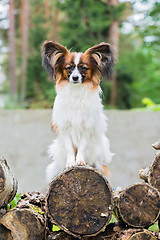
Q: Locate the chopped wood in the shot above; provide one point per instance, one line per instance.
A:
(32, 198)
(138, 205)
(134, 234)
(143, 236)
(152, 174)
(23, 224)
(79, 201)
(8, 184)
(109, 232)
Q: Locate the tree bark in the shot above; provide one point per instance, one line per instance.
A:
(138, 205)
(24, 43)
(79, 201)
(8, 184)
(12, 49)
(114, 40)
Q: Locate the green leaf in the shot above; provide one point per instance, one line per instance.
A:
(14, 202)
(154, 228)
(55, 228)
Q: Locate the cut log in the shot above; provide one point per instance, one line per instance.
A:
(79, 201)
(109, 232)
(129, 234)
(152, 174)
(8, 184)
(23, 224)
(143, 236)
(138, 205)
(133, 234)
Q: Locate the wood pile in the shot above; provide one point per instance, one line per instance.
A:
(81, 203)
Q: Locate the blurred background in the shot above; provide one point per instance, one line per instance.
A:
(132, 27)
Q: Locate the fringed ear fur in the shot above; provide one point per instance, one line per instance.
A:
(103, 56)
(51, 54)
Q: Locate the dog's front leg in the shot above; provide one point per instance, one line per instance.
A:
(70, 152)
(80, 152)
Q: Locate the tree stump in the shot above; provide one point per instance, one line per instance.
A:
(79, 201)
(152, 174)
(8, 184)
(138, 205)
(23, 224)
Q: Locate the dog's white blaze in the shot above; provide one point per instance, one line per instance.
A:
(76, 72)
(77, 58)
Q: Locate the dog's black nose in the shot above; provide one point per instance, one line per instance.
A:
(75, 78)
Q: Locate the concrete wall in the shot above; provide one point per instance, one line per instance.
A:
(25, 135)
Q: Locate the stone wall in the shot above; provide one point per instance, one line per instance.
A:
(26, 134)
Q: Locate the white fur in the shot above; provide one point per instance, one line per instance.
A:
(78, 113)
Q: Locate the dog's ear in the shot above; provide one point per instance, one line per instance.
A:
(102, 55)
(52, 56)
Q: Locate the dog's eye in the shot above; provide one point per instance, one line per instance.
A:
(84, 68)
(69, 68)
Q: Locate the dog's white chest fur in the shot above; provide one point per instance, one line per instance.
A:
(78, 110)
(81, 126)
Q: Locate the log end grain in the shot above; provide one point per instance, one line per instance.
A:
(139, 205)
(79, 201)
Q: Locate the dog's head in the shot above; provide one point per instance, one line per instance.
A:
(76, 67)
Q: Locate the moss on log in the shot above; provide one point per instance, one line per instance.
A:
(138, 205)
(79, 201)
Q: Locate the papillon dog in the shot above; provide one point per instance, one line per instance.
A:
(78, 120)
